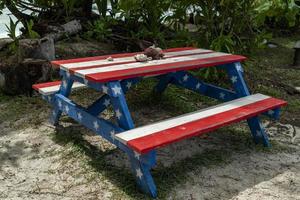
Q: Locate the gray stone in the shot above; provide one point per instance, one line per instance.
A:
(297, 45)
(4, 42)
(36, 49)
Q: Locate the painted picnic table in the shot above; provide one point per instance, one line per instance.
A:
(115, 78)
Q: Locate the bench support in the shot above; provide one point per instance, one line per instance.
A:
(236, 75)
(65, 90)
(142, 172)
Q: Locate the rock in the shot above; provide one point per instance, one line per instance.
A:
(4, 42)
(19, 78)
(82, 48)
(2, 80)
(36, 49)
(272, 45)
(154, 52)
(297, 54)
(141, 58)
(297, 88)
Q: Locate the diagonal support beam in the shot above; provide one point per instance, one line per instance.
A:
(187, 80)
(103, 102)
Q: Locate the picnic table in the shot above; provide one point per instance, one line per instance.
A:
(114, 77)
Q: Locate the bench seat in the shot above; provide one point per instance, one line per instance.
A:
(146, 138)
(53, 87)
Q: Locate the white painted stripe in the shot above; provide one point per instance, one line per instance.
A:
(127, 59)
(84, 72)
(53, 89)
(126, 136)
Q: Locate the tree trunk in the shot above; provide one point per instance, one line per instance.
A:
(87, 8)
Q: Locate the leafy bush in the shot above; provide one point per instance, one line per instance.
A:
(283, 13)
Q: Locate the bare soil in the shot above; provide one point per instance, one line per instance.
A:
(41, 162)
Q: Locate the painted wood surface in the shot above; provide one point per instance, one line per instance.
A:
(159, 134)
(124, 66)
(53, 87)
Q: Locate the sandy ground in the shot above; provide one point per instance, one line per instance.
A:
(35, 163)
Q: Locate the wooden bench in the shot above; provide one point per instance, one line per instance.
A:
(51, 88)
(146, 138)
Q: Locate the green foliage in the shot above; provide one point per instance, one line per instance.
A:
(11, 29)
(281, 11)
(102, 7)
(99, 29)
(31, 33)
(147, 13)
(69, 6)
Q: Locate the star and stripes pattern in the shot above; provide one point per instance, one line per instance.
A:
(146, 138)
(124, 66)
(114, 77)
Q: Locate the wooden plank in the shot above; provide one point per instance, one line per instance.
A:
(58, 63)
(148, 137)
(125, 60)
(53, 87)
(154, 68)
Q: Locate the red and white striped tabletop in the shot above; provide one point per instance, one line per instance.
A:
(123, 66)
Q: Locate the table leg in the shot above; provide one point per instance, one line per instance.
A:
(65, 90)
(142, 173)
(235, 73)
(118, 101)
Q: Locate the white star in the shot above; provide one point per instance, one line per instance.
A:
(239, 68)
(118, 114)
(222, 95)
(117, 90)
(129, 84)
(49, 98)
(258, 133)
(96, 125)
(86, 82)
(79, 115)
(104, 89)
(106, 102)
(139, 173)
(198, 85)
(234, 79)
(59, 104)
(65, 84)
(67, 108)
(68, 74)
(137, 155)
(271, 112)
(112, 134)
(185, 78)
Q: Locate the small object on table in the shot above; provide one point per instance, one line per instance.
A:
(141, 58)
(110, 59)
(155, 53)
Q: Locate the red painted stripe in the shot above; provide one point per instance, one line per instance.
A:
(57, 63)
(44, 85)
(165, 68)
(72, 71)
(159, 139)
